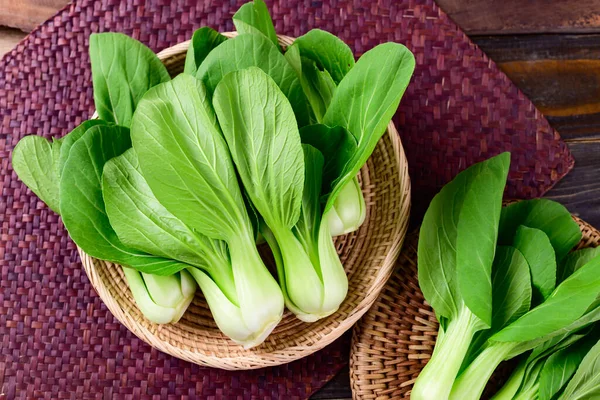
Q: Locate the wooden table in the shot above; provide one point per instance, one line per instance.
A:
(549, 48)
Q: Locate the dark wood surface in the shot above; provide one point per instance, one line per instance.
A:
(27, 14)
(491, 17)
(549, 48)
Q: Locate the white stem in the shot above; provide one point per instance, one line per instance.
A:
(436, 379)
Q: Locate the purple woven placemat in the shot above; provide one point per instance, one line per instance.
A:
(57, 340)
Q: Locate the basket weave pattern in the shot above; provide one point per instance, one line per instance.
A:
(394, 340)
(368, 256)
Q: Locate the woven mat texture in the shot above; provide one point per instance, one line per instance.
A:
(58, 341)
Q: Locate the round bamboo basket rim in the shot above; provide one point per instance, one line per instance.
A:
(386, 186)
(394, 340)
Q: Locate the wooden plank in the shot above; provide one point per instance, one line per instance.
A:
(492, 17)
(27, 14)
(559, 73)
(558, 88)
(577, 126)
(579, 191)
(9, 39)
(506, 48)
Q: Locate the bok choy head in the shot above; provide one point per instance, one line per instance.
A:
(457, 244)
(141, 221)
(164, 298)
(259, 125)
(187, 165)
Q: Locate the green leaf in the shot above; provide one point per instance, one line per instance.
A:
(477, 232)
(318, 86)
(34, 160)
(365, 101)
(548, 216)
(337, 146)
(442, 229)
(565, 334)
(186, 163)
(185, 159)
(204, 40)
(253, 17)
(307, 227)
(539, 253)
(533, 366)
(569, 301)
(437, 266)
(82, 205)
(585, 384)
(511, 295)
(69, 140)
(143, 223)
(250, 50)
(575, 260)
(556, 343)
(259, 126)
(328, 51)
(39, 162)
(123, 69)
(561, 365)
(511, 286)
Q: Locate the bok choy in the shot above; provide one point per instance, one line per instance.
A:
(321, 61)
(186, 163)
(455, 275)
(143, 223)
(260, 128)
(502, 283)
(585, 383)
(162, 299)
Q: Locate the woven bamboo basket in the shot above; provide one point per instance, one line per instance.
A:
(368, 256)
(395, 338)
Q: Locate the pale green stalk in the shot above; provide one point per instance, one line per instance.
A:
(335, 280)
(531, 393)
(258, 294)
(349, 210)
(511, 387)
(436, 380)
(162, 299)
(470, 384)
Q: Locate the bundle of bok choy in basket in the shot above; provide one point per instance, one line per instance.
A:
(178, 177)
(506, 282)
